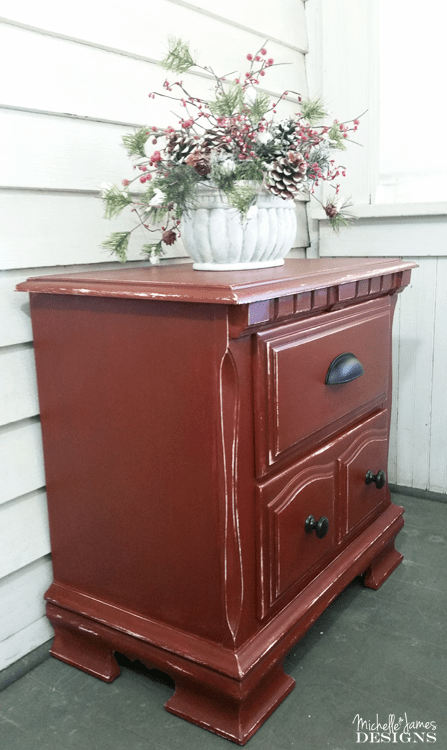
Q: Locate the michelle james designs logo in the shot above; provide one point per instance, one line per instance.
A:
(394, 730)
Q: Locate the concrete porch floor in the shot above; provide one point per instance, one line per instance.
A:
(371, 653)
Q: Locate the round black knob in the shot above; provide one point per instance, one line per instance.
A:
(379, 479)
(321, 526)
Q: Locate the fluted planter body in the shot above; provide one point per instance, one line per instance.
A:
(217, 238)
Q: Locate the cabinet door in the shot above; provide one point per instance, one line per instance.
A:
(292, 548)
(362, 496)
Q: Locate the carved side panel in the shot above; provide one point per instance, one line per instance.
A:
(233, 573)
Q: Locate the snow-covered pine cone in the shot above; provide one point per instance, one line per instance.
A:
(282, 139)
(216, 138)
(286, 177)
(180, 146)
(284, 134)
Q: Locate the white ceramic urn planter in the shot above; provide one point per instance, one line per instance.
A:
(218, 239)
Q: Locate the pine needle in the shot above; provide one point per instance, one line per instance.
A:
(153, 249)
(260, 107)
(134, 143)
(228, 102)
(178, 59)
(313, 110)
(115, 200)
(118, 243)
(336, 137)
(241, 197)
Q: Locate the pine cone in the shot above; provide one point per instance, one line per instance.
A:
(331, 211)
(215, 137)
(199, 159)
(180, 146)
(286, 176)
(283, 138)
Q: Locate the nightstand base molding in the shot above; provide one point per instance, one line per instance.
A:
(231, 708)
(230, 693)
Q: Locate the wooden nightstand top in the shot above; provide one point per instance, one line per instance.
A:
(179, 282)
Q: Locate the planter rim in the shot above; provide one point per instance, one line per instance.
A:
(217, 198)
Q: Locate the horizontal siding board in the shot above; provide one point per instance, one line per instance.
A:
(62, 153)
(68, 228)
(24, 532)
(21, 643)
(15, 316)
(15, 319)
(21, 459)
(18, 394)
(62, 229)
(288, 24)
(21, 594)
(102, 22)
(391, 236)
(302, 235)
(89, 81)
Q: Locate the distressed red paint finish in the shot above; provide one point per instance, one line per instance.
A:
(188, 436)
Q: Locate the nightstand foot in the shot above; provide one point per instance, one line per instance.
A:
(382, 566)
(237, 716)
(82, 649)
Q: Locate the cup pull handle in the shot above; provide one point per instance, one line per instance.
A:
(343, 369)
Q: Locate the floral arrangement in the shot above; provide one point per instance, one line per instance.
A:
(231, 143)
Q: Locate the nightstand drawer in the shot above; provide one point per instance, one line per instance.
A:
(295, 406)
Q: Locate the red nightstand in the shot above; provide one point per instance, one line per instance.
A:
(215, 447)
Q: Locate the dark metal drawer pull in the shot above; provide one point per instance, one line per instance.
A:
(343, 369)
(379, 479)
(321, 527)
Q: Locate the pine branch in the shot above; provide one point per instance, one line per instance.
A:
(339, 216)
(153, 249)
(115, 200)
(313, 110)
(178, 59)
(228, 102)
(336, 137)
(259, 108)
(134, 143)
(241, 197)
(179, 186)
(155, 214)
(250, 170)
(118, 243)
